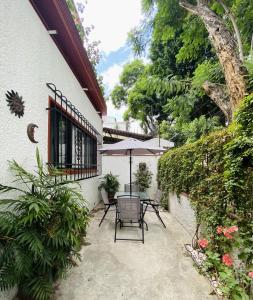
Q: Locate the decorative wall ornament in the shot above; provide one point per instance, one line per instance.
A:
(30, 132)
(15, 103)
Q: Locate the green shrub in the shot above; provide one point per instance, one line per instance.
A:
(217, 174)
(41, 230)
(143, 177)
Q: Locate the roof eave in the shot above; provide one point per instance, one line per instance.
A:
(55, 15)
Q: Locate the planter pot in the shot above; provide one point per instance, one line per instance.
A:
(20, 296)
(111, 197)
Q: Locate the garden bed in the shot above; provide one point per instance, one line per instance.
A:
(199, 257)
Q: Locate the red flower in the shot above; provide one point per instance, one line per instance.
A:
(227, 260)
(227, 231)
(219, 229)
(227, 234)
(203, 243)
(250, 274)
(232, 229)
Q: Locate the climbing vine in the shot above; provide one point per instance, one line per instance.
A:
(217, 174)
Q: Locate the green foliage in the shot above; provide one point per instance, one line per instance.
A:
(171, 90)
(188, 132)
(249, 66)
(145, 94)
(194, 37)
(110, 183)
(179, 47)
(41, 230)
(216, 173)
(207, 71)
(199, 127)
(244, 8)
(131, 72)
(119, 96)
(234, 281)
(143, 177)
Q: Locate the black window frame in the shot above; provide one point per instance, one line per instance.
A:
(72, 141)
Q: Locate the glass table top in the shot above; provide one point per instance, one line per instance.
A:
(142, 195)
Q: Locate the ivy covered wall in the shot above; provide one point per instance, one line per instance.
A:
(216, 173)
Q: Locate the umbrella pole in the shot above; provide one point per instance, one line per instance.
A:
(130, 172)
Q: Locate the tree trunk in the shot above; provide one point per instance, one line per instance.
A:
(227, 52)
(218, 93)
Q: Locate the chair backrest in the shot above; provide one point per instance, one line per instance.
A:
(158, 196)
(135, 188)
(129, 209)
(104, 195)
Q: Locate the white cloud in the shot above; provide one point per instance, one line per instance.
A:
(113, 112)
(110, 79)
(112, 19)
(111, 75)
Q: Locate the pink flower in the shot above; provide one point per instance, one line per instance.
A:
(227, 234)
(227, 260)
(227, 231)
(203, 243)
(251, 274)
(219, 229)
(232, 229)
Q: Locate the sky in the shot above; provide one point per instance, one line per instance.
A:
(112, 20)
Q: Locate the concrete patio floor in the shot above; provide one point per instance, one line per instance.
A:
(158, 269)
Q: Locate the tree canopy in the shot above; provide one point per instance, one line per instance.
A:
(188, 81)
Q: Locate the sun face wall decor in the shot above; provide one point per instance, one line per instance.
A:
(15, 103)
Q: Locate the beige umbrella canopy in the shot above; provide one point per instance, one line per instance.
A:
(131, 147)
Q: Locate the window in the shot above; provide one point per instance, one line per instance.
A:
(73, 142)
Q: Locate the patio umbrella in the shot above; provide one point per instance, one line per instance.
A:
(131, 147)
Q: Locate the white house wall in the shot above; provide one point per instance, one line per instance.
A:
(119, 165)
(28, 60)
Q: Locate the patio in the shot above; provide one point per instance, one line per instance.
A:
(157, 269)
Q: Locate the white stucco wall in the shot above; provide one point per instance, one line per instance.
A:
(119, 165)
(28, 60)
(181, 209)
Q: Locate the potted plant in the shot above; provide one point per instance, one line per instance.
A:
(110, 184)
(143, 177)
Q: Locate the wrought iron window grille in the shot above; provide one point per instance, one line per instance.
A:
(73, 142)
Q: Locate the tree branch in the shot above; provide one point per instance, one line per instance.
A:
(191, 8)
(218, 93)
(236, 29)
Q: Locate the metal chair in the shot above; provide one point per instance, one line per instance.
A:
(107, 204)
(129, 210)
(154, 204)
(135, 188)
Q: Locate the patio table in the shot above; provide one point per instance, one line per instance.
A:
(142, 195)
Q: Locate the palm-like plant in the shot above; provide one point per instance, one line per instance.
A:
(41, 230)
(111, 184)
